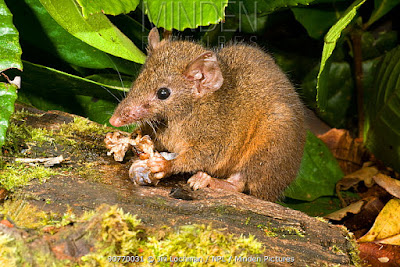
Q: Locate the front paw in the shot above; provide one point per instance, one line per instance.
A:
(148, 171)
(159, 166)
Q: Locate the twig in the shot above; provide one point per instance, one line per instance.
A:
(47, 162)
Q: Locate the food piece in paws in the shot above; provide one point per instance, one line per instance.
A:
(118, 143)
(140, 172)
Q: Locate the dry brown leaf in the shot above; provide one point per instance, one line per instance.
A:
(349, 152)
(379, 254)
(340, 214)
(388, 183)
(361, 222)
(386, 224)
(3, 194)
(394, 240)
(364, 174)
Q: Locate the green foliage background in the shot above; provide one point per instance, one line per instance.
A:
(81, 57)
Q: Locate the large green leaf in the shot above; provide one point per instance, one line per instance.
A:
(375, 45)
(338, 112)
(382, 111)
(10, 51)
(10, 57)
(133, 29)
(59, 83)
(180, 15)
(308, 16)
(381, 8)
(94, 96)
(111, 7)
(8, 95)
(262, 7)
(39, 30)
(330, 42)
(319, 172)
(96, 110)
(96, 30)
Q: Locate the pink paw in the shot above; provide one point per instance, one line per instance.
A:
(200, 180)
(159, 166)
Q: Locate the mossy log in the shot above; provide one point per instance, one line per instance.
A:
(92, 181)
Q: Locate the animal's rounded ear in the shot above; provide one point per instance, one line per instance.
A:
(205, 72)
(154, 39)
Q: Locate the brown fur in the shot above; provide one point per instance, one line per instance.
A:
(252, 125)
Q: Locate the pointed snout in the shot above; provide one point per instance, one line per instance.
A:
(125, 115)
(115, 121)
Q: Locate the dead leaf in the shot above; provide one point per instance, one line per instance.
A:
(3, 194)
(389, 184)
(340, 214)
(364, 174)
(379, 254)
(386, 224)
(349, 152)
(394, 240)
(6, 223)
(362, 222)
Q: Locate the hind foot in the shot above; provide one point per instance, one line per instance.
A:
(202, 180)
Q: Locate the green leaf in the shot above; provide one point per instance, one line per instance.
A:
(339, 85)
(96, 30)
(319, 172)
(310, 15)
(68, 96)
(10, 51)
(112, 80)
(8, 95)
(180, 15)
(96, 110)
(263, 7)
(111, 7)
(330, 42)
(382, 112)
(60, 84)
(133, 29)
(370, 68)
(39, 30)
(93, 96)
(318, 207)
(368, 44)
(382, 7)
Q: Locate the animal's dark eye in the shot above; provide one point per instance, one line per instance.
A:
(163, 93)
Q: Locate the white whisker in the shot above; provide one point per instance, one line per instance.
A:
(111, 93)
(150, 123)
(119, 74)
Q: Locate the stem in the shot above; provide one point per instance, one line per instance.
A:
(358, 73)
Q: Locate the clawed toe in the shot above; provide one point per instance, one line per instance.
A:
(158, 164)
(200, 180)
